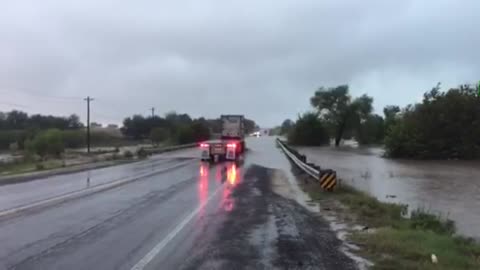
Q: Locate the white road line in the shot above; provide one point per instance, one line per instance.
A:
(161, 245)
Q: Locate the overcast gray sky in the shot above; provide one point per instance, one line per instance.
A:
(262, 58)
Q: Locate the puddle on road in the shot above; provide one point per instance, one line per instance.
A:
(446, 188)
(263, 152)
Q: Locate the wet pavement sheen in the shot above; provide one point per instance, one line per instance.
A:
(196, 216)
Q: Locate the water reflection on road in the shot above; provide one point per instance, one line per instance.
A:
(228, 174)
(203, 186)
(449, 188)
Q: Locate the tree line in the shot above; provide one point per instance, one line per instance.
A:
(18, 120)
(176, 128)
(50, 135)
(445, 125)
(16, 127)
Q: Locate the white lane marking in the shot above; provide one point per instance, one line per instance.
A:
(161, 245)
(82, 192)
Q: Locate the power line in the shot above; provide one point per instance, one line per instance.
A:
(14, 104)
(44, 96)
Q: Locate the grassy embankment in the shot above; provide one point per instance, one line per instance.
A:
(75, 158)
(396, 242)
(23, 167)
(71, 159)
(29, 166)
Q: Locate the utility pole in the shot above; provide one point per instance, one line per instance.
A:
(88, 99)
(153, 117)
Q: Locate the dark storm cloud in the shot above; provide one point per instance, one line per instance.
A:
(260, 58)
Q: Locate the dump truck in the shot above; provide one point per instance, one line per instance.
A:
(231, 145)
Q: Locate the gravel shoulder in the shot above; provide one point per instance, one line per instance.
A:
(268, 229)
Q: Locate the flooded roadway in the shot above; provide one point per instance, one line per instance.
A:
(448, 188)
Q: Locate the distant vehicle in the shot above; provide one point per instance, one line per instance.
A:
(256, 134)
(232, 141)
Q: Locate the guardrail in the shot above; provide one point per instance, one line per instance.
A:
(327, 178)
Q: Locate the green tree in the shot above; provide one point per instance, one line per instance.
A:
(371, 131)
(308, 130)
(286, 126)
(201, 131)
(445, 125)
(158, 135)
(178, 119)
(135, 127)
(250, 126)
(338, 109)
(391, 113)
(185, 134)
(16, 120)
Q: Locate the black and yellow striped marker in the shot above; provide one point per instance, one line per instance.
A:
(328, 179)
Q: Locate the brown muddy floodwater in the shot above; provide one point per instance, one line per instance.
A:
(447, 188)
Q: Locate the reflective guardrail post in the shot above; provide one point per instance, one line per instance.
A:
(328, 179)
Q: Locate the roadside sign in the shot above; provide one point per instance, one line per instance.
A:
(328, 179)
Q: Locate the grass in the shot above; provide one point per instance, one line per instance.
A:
(29, 166)
(392, 248)
(398, 242)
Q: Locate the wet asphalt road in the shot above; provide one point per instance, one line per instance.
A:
(189, 215)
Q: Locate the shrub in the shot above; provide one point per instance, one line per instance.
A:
(74, 138)
(7, 137)
(185, 135)
(200, 130)
(428, 222)
(158, 135)
(142, 153)
(49, 142)
(13, 147)
(308, 130)
(39, 166)
(128, 154)
(371, 131)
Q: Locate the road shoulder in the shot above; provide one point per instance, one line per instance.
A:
(265, 230)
